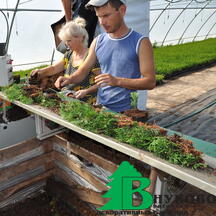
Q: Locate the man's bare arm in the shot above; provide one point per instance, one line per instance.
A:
(146, 68)
(67, 5)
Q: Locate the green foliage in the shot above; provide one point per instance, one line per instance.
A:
(137, 136)
(172, 152)
(162, 147)
(159, 78)
(106, 123)
(85, 116)
(170, 60)
(24, 73)
(15, 92)
(46, 101)
(134, 99)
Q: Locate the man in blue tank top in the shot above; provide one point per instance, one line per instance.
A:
(124, 56)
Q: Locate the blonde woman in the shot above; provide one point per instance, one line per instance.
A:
(75, 36)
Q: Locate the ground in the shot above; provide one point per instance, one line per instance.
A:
(42, 205)
(183, 95)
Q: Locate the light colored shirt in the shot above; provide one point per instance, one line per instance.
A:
(118, 57)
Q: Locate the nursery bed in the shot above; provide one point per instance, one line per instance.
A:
(201, 179)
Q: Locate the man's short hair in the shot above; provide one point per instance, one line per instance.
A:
(115, 3)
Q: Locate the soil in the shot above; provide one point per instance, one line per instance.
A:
(14, 113)
(42, 205)
(137, 115)
(192, 202)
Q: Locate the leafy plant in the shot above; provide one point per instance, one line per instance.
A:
(84, 115)
(15, 92)
(136, 136)
(134, 99)
(46, 101)
(106, 123)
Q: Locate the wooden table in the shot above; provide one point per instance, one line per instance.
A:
(200, 179)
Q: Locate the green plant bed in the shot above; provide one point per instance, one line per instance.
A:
(122, 128)
(172, 60)
(24, 73)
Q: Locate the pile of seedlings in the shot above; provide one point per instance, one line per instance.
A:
(151, 138)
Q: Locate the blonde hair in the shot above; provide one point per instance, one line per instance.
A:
(75, 27)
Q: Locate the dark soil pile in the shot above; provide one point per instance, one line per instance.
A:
(192, 202)
(14, 113)
(42, 205)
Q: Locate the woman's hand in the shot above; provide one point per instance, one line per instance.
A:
(61, 82)
(81, 93)
(36, 73)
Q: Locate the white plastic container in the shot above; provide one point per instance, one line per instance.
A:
(6, 76)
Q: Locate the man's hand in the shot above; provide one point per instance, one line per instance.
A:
(81, 93)
(61, 82)
(105, 80)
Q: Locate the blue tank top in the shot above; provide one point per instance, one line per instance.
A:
(118, 57)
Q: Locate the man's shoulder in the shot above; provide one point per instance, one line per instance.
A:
(139, 34)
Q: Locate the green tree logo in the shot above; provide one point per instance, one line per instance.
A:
(121, 191)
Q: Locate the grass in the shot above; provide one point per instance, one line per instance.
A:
(170, 60)
(24, 73)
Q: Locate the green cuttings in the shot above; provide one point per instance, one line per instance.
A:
(85, 116)
(137, 136)
(46, 101)
(15, 92)
(168, 150)
(107, 123)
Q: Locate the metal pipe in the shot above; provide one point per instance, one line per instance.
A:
(158, 17)
(204, 24)
(191, 22)
(210, 30)
(6, 23)
(179, 8)
(32, 10)
(175, 21)
(9, 34)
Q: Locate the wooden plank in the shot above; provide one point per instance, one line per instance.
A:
(62, 192)
(20, 148)
(23, 147)
(42, 160)
(112, 156)
(82, 171)
(91, 157)
(153, 179)
(199, 179)
(94, 158)
(10, 191)
(83, 193)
